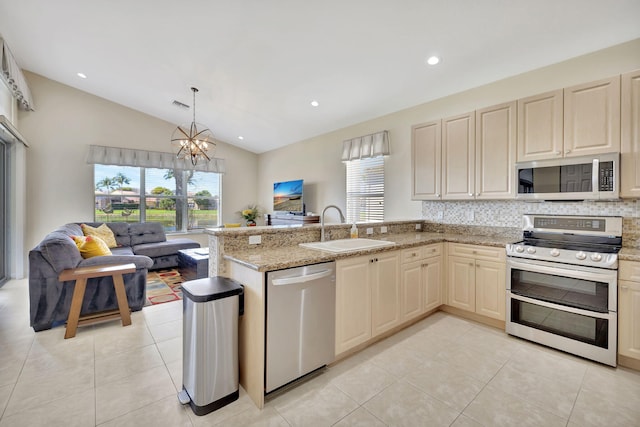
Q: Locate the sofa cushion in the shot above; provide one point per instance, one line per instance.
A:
(146, 232)
(91, 246)
(120, 231)
(123, 250)
(103, 232)
(168, 247)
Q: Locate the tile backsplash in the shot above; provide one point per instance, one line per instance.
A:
(508, 213)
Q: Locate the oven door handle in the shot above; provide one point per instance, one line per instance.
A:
(544, 267)
(574, 310)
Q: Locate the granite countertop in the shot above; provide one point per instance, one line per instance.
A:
(629, 254)
(295, 256)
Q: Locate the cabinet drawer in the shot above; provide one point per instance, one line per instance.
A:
(629, 270)
(477, 252)
(421, 252)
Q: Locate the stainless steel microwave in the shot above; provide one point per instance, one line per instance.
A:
(570, 178)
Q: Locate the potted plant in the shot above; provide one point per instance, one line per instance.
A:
(250, 214)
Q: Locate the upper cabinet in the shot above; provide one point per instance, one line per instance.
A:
(495, 152)
(458, 156)
(540, 126)
(592, 118)
(426, 149)
(630, 132)
(577, 121)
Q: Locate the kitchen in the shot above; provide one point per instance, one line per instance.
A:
(318, 158)
(607, 204)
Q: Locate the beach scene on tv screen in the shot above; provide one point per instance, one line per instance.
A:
(287, 196)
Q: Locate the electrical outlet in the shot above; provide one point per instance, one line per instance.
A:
(440, 215)
(255, 240)
(369, 230)
(383, 229)
(418, 226)
(470, 215)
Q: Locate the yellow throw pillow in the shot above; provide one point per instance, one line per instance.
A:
(103, 232)
(90, 246)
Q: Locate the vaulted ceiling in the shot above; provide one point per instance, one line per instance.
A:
(259, 64)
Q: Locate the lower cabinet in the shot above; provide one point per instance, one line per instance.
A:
(367, 298)
(421, 280)
(629, 309)
(476, 279)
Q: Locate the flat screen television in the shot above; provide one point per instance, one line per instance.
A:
(288, 197)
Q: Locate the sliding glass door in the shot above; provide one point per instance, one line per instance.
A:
(4, 182)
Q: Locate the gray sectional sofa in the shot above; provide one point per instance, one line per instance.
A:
(144, 244)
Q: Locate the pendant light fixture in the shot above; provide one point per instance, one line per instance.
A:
(195, 141)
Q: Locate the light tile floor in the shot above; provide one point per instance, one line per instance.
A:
(442, 371)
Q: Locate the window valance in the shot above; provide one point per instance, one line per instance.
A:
(12, 75)
(373, 145)
(149, 159)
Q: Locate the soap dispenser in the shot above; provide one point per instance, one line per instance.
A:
(354, 231)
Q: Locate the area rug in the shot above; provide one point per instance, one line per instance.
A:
(163, 286)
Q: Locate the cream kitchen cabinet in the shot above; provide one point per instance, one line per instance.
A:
(458, 157)
(629, 310)
(426, 153)
(592, 118)
(476, 279)
(630, 135)
(367, 298)
(495, 152)
(470, 156)
(421, 281)
(580, 120)
(540, 126)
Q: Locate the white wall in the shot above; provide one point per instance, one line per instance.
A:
(60, 183)
(317, 160)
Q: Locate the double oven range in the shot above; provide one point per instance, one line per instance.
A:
(562, 284)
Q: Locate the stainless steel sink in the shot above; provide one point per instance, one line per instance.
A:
(347, 245)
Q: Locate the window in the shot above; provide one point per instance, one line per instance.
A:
(365, 190)
(179, 199)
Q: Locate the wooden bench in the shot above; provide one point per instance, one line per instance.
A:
(80, 275)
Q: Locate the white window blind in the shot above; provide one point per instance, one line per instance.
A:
(365, 190)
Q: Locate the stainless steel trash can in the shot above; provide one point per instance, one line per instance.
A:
(211, 307)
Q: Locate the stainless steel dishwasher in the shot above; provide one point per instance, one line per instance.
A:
(300, 322)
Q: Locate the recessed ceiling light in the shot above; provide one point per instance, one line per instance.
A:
(433, 60)
(82, 75)
(241, 137)
(314, 103)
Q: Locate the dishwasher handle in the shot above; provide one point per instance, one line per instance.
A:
(302, 278)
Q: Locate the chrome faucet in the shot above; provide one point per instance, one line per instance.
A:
(322, 219)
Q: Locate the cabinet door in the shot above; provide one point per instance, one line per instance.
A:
(458, 157)
(490, 289)
(432, 283)
(592, 118)
(629, 319)
(385, 287)
(353, 303)
(426, 161)
(461, 286)
(630, 134)
(495, 152)
(540, 125)
(412, 289)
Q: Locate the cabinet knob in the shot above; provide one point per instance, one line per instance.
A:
(470, 194)
(437, 194)
(470, 264)
(558, 152)
(567, 151)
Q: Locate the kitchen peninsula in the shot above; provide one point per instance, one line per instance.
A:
(247, 254)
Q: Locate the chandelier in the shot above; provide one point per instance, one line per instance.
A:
(195, 141)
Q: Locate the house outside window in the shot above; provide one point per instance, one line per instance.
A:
(365, 190)
(181, 200)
